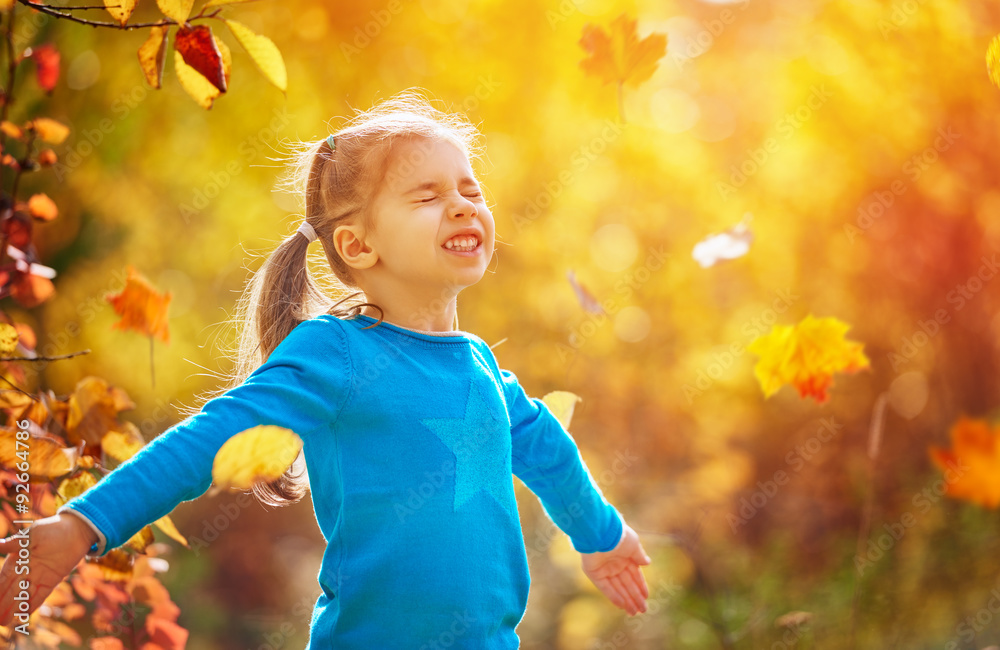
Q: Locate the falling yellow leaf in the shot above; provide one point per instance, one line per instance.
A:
(806, 356)
(562, 403)
(263, 51)
(259, 454)
(8, 339)
(972, 466)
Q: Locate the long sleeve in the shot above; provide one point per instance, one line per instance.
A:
(545, 457)
(302, 386)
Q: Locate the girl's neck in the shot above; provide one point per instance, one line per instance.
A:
(420, 321)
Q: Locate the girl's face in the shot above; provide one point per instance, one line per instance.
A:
(433, 228)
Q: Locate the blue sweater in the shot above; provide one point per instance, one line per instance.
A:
(410, 439)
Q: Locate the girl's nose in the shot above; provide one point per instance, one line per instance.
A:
(463, 207)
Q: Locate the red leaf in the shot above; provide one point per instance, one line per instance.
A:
(197, 47)
(46, 65)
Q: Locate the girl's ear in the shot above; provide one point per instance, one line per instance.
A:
(352, 248)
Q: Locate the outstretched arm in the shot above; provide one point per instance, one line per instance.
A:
(545, 457)
(300, 387)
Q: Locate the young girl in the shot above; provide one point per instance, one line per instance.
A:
(410, 429)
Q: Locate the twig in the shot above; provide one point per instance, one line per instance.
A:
(52, 358)
(18, 388)
(874, 442)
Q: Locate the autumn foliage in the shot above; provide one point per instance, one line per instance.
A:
(826, 151)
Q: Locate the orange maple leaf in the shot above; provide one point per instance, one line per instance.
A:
(620, 55)
(806, 355)
(141, 307)
(974, 459)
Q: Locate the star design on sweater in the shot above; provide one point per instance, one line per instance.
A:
(481, 444)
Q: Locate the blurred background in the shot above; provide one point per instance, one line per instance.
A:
(856, 140)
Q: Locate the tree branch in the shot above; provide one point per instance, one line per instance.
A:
(45, 9)
(54, 358)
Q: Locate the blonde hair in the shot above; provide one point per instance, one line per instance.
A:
(338, 185)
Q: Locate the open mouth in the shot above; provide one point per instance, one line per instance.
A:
(462, 244)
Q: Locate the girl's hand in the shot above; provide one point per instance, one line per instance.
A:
(53, 546)
(616, 573)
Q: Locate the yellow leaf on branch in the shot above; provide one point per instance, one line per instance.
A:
(264, 53)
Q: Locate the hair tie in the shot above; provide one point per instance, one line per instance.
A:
(307, 230)
(330, 141)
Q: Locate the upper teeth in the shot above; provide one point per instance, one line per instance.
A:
(462, 241)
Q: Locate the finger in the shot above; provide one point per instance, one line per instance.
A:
(7, 544)
(6, 591)
(642, 582)
(631, 606)
(611, 591)
(640, 555)
(628, 579)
